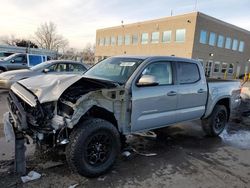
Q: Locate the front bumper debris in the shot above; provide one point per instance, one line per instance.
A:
(17, 112)
(8, 128)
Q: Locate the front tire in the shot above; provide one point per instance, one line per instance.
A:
(216, 122)
(93, 148)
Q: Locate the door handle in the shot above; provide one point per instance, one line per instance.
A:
(201, 91)
(171, 93)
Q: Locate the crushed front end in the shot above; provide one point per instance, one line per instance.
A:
(30, 118)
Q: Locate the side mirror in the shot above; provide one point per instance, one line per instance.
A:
(12, 61)
(147, 80)
(45, 70)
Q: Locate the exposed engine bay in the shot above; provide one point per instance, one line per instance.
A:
(48, 123)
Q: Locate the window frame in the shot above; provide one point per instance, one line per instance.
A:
(217, 63)
(167, 32)
(127, 39)
(107, 41)
(173, 70)
(157, 39)
(241, 46)
(201, 39)
(218, 40)
(142, 41)
(230, 68)
(210, 39)
(112, 40)
(182, 41)
(119, 42)
(137, 39)
(235, 41)
(221, 71)
(226, 43)
(177, 72)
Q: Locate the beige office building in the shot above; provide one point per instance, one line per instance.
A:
(223, 49)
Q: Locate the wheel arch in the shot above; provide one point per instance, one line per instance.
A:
(3, 68)
(225, 102)
(101, 113)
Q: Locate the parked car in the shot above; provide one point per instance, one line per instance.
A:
(21, 61)
(91, 114)
(47, 67)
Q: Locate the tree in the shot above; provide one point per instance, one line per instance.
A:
(26, 43)
(88, 53)
(13, 41)
(47, 37)
(9, 40)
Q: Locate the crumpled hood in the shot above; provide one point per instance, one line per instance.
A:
(49, 88)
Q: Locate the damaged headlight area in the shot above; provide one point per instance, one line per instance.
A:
(39, 122)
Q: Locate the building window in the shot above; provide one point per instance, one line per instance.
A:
(166, 36)
(135, 39)
(231, 68)
(180, 35)
(235, 45)
(155, 37)
(119, 40)
(224, 67)
(107, 41)
(216, 66)
(212, 39)
(113, 41)
(101, 41)
(228, 43)
(144, 38)
(203, 37)
(220, 41)
(127, 39)
(241, 46)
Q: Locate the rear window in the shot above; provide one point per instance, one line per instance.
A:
(188, 73)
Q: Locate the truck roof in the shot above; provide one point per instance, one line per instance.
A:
(170, 58)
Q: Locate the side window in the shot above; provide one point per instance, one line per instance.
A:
(162, 72)
(20, 59)
(76, 68)
(34, 60)
(188, 73)
(62, 67)
(52, 68)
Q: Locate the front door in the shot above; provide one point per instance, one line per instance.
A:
(208, 68)
(18, 62)
(154, 106)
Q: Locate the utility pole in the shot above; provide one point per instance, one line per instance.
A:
(195, 5)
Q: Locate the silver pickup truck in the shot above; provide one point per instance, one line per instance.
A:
(91, 114)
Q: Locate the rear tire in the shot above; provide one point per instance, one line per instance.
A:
(93, 147)
(216, 122)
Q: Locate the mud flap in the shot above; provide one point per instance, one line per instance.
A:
(20, 160)
(20, 148)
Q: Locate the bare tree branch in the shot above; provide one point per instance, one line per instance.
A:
(47, 37)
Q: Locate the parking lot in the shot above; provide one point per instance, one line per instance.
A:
(184, 158)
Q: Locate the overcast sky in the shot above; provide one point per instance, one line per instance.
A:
(77, 20)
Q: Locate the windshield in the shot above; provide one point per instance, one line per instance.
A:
(116, 69)
(9, 57)
(40, 66)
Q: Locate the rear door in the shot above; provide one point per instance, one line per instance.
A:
(192, 91)
(154, 106)
(17, 62)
